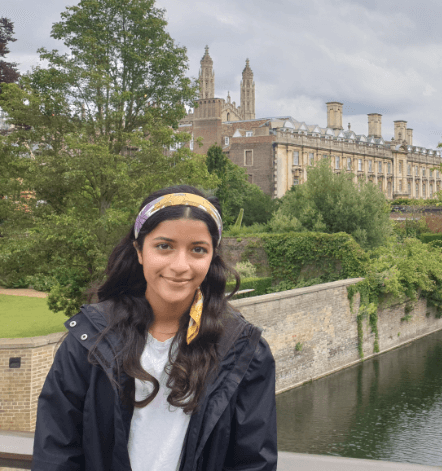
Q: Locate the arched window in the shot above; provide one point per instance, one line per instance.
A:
(228, 116)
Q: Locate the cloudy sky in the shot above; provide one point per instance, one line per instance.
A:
(375, 56)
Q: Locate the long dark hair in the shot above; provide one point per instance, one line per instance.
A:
(132, 315)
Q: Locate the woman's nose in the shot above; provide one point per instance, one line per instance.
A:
(180, 262)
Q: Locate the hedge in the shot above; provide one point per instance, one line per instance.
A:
(427, 237)
(260, 285)
(329, 257)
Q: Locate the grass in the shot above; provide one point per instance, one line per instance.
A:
(22, 316)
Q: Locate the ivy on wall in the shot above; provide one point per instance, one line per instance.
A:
(400, 271)
(325, 257)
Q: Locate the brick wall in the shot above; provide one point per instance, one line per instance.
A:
(20, 387)
(210, 131)
(262, 168)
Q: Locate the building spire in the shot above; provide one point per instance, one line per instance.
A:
(247, 93)
(207, 76)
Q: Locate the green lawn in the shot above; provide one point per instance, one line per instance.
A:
(22, 316)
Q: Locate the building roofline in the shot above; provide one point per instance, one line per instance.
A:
(273, 118)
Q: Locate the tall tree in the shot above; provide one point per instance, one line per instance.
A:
(331, 202)
(8, 70)
(95, 125)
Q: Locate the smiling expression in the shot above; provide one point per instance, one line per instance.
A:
(176, 257)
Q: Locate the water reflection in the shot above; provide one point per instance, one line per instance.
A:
(388, 408)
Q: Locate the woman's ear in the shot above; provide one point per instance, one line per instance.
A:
(137, 248)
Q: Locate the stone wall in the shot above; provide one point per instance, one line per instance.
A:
(312, 332)
(20, 387)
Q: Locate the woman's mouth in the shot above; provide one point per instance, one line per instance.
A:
(176, 280)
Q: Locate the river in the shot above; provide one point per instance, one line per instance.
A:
(386, 408)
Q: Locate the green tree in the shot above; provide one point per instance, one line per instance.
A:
(331, 202)
(235, 192)
(258, 206)
(8, 70)
(93, 133)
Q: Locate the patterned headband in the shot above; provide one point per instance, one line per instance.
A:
(178, 199)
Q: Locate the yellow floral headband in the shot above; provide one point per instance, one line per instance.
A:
(178, 199)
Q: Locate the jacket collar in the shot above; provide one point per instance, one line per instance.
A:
(88, 324)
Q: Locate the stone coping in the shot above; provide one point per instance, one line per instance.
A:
(303, 462)
(19, 446)
(30, 342)
(293, 292)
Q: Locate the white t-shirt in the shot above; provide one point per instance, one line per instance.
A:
(157, 431)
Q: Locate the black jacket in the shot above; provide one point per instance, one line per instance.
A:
(83, 426)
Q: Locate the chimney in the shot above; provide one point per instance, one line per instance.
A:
(334, 115)
(409, 136)
(400, 130)
(374, 125)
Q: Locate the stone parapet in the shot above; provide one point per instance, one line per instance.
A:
(311, 331)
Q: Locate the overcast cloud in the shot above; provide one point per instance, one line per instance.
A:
(375, 56)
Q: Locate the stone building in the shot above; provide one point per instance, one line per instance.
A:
(276, 151)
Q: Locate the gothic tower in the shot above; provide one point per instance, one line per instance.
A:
(207, 76)
(247, 93)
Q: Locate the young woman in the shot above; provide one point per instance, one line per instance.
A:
(162, 374)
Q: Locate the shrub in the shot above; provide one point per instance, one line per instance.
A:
(246, 269)
(436, 243)
(324, 257)
(430, 237)
(260, 285)
(331, 202)
(411, 227)
(415, 202)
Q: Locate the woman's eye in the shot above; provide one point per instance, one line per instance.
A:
(163, 246)
(200, 250)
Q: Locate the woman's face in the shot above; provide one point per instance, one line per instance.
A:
(176, 257)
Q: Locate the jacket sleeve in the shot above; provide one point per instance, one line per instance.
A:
(253, 445)
(58, 432)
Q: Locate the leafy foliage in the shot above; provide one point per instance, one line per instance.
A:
(325, 257)
(429, 237)
(413, 226)
(8, 70)
(415, 202)
(245, 269)
(399, 272)
(235, 192)
(259, 285)
(330, 202)
(92, 135)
